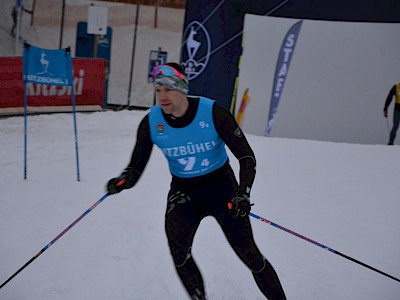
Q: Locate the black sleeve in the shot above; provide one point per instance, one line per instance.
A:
(27, 10)
(389, 98)
(142, 150)
(236, 141)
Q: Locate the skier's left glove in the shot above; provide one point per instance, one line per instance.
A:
(240, 206)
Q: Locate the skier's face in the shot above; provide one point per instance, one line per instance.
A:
(171, 101)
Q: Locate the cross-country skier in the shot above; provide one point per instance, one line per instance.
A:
(192, 133)
(394, 92)
(14, 15)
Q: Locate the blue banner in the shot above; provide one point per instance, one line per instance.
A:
(212, 45)
(50, 67)
(281, 71)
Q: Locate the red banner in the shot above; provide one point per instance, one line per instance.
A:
(89, 82)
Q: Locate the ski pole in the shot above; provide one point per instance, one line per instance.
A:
(320, 245)
(388, 127)
(57, 237)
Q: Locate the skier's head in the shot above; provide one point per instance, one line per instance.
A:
(171, 75)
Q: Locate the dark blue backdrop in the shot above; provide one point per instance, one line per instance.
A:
(212, 34)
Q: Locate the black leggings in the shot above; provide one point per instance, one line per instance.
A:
(183, 217)
(396, 122)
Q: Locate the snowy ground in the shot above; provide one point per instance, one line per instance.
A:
(344, 196)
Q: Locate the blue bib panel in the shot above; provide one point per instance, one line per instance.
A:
(193, 150)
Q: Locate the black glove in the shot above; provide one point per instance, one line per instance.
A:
(240, 206)
(125, 181)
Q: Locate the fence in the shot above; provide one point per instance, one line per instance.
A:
(156, 27)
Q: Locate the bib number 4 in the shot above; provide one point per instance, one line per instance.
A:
(190, 161)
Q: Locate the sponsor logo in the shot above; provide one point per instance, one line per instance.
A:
(189, 149)
(45, 64)
(160, 128)
(197, 50)
(238, 132)
(53, 90)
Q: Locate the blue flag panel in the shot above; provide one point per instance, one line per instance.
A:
(50, 67)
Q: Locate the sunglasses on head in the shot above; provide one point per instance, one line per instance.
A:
(166, 71)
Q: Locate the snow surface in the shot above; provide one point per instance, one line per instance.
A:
(344, 196)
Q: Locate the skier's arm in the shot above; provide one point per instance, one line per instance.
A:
(27, 10)
(389, 98)
(140, 157)
(235, 140)
(142, 150)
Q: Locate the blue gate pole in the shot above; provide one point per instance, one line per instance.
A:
(25, 132)
(68, 53)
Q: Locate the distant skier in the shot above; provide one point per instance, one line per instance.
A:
(192, 133)
(14, 15)
(394, 92)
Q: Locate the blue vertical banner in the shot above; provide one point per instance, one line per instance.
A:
(282, 68)
(48, 67)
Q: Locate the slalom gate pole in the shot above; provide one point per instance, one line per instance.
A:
(73, 100)
(75, 133)
(320, 245)
(56, 238)
(25, 132)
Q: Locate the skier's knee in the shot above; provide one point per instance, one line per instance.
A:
(259, 270)
(180, 262)
(198, 295)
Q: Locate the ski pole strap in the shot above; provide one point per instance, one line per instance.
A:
(321, 245)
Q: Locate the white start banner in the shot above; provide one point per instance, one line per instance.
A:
(319, 80)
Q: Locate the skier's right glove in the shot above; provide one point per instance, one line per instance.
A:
(125, 181)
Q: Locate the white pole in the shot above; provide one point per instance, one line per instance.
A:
(18, 27)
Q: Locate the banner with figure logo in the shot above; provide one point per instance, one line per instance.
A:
(197, 50)
(45, 66)
(212, 45)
